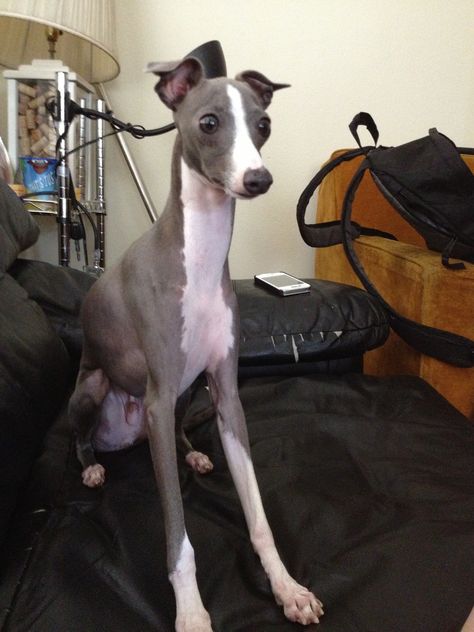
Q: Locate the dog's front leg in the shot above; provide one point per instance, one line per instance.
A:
(191, 615)
(299, 603)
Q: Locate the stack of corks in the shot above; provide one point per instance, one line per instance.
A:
(37, 135)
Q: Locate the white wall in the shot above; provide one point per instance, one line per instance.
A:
(408, 62)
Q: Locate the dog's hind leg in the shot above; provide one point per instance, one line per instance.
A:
(84, 412)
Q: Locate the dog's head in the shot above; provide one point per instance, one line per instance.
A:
(222, 122)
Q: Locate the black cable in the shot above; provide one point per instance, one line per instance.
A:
(84, 240)
(82, 209)
(137, 131)
(92, 142)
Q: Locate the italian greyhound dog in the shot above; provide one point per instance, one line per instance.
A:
(167, 313)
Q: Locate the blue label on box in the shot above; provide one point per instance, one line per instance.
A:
(39, 174)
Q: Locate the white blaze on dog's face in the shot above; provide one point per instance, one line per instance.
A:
(249, 134)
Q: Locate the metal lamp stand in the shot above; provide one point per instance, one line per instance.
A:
(97, 206)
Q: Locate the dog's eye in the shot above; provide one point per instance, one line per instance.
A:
(264, 127)
(209, 123)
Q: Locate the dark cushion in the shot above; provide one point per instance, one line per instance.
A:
(34, 372)
(59, 291)
(331, 321)
(367, 484)
(18, 230)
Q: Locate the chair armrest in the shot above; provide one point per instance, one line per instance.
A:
(416, 284)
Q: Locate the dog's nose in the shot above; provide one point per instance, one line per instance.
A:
(257, 181)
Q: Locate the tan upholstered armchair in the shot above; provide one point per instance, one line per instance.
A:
(410, 277)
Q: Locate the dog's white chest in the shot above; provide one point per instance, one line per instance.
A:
(207, 333)
(207, 321)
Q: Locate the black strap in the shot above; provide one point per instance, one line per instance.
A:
(364, 118)
(443, 345)
(446, 255)
(325, 233)
(437, 343)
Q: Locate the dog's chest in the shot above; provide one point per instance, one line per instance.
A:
(207, 320)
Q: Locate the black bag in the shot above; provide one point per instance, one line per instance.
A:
(432, 188)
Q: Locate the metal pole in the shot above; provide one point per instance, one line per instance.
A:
(81, 171)
(150, 208)
(64, 202)
(101, 210)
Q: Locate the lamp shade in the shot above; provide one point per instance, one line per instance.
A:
(87, 44)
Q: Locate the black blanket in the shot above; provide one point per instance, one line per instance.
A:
(368, 485)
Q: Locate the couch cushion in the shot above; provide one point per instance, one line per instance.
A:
(59, 291)
(34, 372)
(18, 230)
(332, 321)
(367, 484)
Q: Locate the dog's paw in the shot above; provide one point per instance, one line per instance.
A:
(199, 462)
(299, 604)
(93, 476)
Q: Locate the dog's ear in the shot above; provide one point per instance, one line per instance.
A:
(176, 79)
(263, 87)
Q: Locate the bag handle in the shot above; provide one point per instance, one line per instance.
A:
(364, 118)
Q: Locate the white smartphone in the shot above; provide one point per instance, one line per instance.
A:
(282, 283)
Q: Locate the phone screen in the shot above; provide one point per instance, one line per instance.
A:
(281, 280)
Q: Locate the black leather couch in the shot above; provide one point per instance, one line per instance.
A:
(367, 482)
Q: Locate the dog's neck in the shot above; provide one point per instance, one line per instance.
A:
(208, 218)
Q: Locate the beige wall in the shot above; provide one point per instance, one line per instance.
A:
(408, 62)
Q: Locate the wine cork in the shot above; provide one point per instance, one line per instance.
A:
(25, 147)
(36, 135)
(39, 145)
(46, 130)
(34, 103)
(30, 119)
(22, 125)
(27, 90)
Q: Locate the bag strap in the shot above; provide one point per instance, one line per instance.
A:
(466, 150)
(437, 343)
(325, 233)
(364, 118)
(330, 233)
